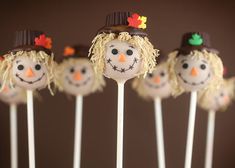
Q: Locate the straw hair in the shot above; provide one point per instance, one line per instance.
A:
(205, 97)
(99, 82)
(138, 84)
(214, 62)
(97, 51)
(39, 57)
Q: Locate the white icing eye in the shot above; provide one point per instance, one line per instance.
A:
(150, 75)
(203, 66)
(83, 70)
(114, 51)
(185, 66)
(71, 70)
(20, 67)
(38, 67)
(129, 52)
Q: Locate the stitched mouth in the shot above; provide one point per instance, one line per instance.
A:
(155, 86)
(29, 82)
(194, 83)
(122, 70)
(77, 84)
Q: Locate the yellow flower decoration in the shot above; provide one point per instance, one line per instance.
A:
(143, 23)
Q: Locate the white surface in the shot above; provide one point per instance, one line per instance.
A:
(78, 132)
(210, 139)
(159, 133)
(30, 120)
(13, 136)
(191, 126)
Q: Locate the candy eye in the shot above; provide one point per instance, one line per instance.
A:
(203, 66)
(20, 67)
(185, 65)
(150, 75)
(162, 74)
(222, 94)
(114, 51)
(71, 70)
(37, 67)
(83, 70)
(129, 52)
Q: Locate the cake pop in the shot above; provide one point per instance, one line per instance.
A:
(76, 75)
(193, 67)
(29, 65)
(121, 51)
(156, 86)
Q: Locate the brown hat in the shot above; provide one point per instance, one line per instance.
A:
(31, 40)
(195, 41)
(118, 22)
(76, 51)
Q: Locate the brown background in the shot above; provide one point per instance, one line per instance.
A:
(76, 22)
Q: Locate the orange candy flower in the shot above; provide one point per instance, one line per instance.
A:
(68, 51)
(43, 41)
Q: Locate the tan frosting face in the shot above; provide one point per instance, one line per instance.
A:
(122, 60)
(12, 94)
(78, 78)
(157, 83)
(193, 74)
(29, 74)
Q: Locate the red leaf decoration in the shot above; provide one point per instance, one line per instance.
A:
(43, 41)
(1, 58)
(134, 20)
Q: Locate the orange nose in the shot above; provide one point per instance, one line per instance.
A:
(226, 99)
(29, 73)
(194, 72)
(5, 89)
(157, 79)
(122, 58)
(77, 76)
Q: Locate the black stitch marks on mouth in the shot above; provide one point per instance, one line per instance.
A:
(29, 82)
(155, 86)
(194, 83)
(77, 84)
(122, 70)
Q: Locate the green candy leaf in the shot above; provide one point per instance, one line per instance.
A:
(195, 40)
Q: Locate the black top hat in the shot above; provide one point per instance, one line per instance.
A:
(77, 51)
(195, 41)
(31, 40)
(118, 22)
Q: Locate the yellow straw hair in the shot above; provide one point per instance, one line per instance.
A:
(214, 62)
(99, 82)
(97, 51)
(40, 57)
(138, 85)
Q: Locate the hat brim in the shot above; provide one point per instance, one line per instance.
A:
(31, 48)
(187, 49)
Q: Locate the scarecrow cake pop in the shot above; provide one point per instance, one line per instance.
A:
(29, 65)
(156, 86)
(121, 51)
(193, 67)
(76, 72)
(76, 75)
(213, 102)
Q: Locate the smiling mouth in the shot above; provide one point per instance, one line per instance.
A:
(77, 84)
(29, 82)
(122, 70)
(194, 83)
(155, 86)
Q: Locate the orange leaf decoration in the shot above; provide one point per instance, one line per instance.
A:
(68, 51)
(1, 58)
(43, 41)
(134, 20)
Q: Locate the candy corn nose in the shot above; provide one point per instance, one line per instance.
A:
(226, 99)
(77, 76)
(122, 58)
(194, 72)
(157, 79)
(29, 73)
(5, 89)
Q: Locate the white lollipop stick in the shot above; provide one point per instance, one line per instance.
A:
(159, 133)
(120, 125)
(31, 142)
(13, 136)
(210, 139)
(78, 132)
(190, 134)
